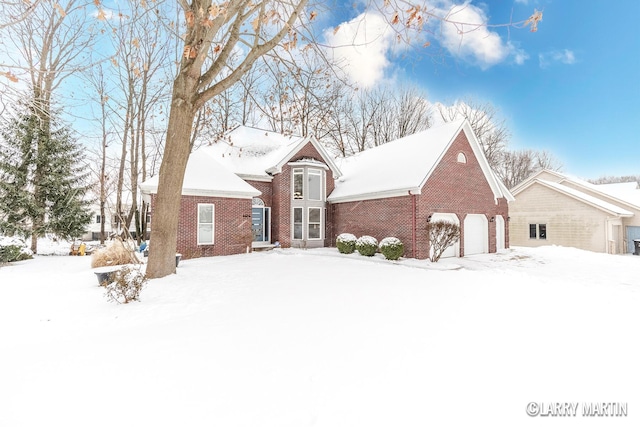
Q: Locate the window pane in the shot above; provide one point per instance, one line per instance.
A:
(314, 231)
(205, 233)
(315, 185)
(542, 228)
(205, 214)
(532, 231)
(297, 231)
(298, 184)
(297, 215)
(314, 215)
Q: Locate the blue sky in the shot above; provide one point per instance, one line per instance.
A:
(572, 87)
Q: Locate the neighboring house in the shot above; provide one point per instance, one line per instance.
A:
(111, 226)
(551, 208)
(254, 188)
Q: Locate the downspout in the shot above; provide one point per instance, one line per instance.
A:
(413, 224)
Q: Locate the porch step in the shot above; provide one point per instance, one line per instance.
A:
(262, 247)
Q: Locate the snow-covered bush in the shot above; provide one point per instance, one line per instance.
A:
(442, 234)
(346, 243)
(14, 249)
(126, 285)
(392, 248)
(367, 245)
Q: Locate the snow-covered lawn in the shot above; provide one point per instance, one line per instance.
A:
(314, 338)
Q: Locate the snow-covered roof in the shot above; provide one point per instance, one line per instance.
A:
(625, 191)
(626, 194)
(207, 177)
(256, 154)
(586, 198)
(403, 166)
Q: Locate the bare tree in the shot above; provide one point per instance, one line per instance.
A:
(442, 234)
(55, 41)
(516, 166)
(491, 130)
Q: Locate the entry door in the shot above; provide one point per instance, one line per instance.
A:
(260, 224)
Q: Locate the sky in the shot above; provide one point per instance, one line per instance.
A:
(572, 87)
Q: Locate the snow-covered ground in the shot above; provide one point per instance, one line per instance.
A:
(314, 338)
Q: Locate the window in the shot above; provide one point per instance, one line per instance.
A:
(315, 184)
(297, 223)
(205, 224)
(462, 158)
(538, 231)
(542, 231)
(298, 183)
(314, 223)
(98, 219)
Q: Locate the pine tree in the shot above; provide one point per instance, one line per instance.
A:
(43, 188)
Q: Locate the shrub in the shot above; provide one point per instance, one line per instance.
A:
(14, 249)
(442, 234)
(116, 253)
(346, 243)
(126, 285)
(392, 248)
(367, 245)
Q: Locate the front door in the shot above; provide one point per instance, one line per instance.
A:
(260, 224)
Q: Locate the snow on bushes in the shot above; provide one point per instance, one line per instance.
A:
(13, 249)
(346, 243)
(367, 245)
(392, 248)
(126, 285)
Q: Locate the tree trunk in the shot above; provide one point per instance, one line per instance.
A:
(166, 209)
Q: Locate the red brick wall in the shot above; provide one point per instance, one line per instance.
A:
(232, 226)
(380, 218)
(265, 188)
(459, 188)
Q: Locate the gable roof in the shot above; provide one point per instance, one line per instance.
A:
(403, 166)
(624, 195)
(257, 154)
(204, 176)
(609, 208)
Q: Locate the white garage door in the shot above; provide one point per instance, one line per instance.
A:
(500, 234)
(453, 250)
(476, 234)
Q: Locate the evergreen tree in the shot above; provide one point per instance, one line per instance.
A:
(42, 186)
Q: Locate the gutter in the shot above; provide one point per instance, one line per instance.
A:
(413, 222)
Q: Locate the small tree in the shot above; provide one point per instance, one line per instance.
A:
(442, 234)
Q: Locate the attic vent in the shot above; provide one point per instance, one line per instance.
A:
(462, 158)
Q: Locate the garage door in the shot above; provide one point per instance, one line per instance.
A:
(453, 250)
(632, 233)
(476, 234)
(500, 233)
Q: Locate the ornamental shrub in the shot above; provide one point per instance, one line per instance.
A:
(367, 245)
(392, 248)
(126, 285)
(346, 243)
(442, 234)
(14, 249)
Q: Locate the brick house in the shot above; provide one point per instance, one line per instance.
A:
(255, 188)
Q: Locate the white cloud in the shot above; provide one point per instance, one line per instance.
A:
(467, 37)
(522, 1)
(361, 47)
(564, 56)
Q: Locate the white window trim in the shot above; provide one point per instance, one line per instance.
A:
(309, 223)
(293, 223)
(213, 225)
(317, 172)
(297, 171)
